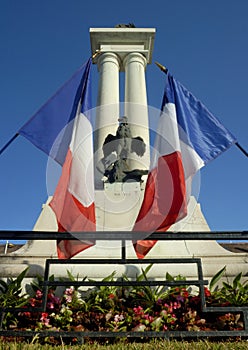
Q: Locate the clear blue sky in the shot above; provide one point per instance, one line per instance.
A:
(204, 44)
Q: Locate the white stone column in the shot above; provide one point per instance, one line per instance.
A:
(107, 112)
(136, 105)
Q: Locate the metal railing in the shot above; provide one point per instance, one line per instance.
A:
(124, 235)
(127, 236)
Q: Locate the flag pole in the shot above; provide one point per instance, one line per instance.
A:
(242, 149)
(165, 70)
(96, 53)
(8, 143)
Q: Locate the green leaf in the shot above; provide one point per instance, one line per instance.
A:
(20, 278)
(143, 275)
(109, 278)
(216, 278)
(168, 277)
(21, 303)
(70, 275)
(227, 286)
(237, 280)
(3, 286)
(148, 268)
(125, 278)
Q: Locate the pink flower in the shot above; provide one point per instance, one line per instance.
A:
(118, 318)
(50, 305)
(138, 310)
(38, 294)
(176, 305)
(68, 298)
(44, 318)
(148, 318)
(69, 291)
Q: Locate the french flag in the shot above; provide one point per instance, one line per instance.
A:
(73, 200)
(62, 128)
(187, 138)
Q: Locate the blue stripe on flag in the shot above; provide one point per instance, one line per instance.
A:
(57, 113)
(201, 130)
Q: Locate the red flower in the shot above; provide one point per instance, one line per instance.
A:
(185, 293)
(111, 296)
(43, 315)
(207, 292)
(32, 302)
(138, 310)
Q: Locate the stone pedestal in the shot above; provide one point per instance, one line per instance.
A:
(108, 218)
(34, 253)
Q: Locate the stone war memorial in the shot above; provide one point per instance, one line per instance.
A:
(127, 171)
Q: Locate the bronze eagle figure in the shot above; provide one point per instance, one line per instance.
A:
(123, 143)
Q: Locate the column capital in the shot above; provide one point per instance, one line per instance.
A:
(109, 57)
(123, 41)
(134, 57)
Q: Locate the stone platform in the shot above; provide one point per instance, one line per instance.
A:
(214, 257)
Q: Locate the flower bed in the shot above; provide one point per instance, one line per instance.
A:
(124, 309)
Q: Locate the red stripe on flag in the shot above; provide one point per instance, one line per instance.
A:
(72, 215)
(66, 249)
(164, 200)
